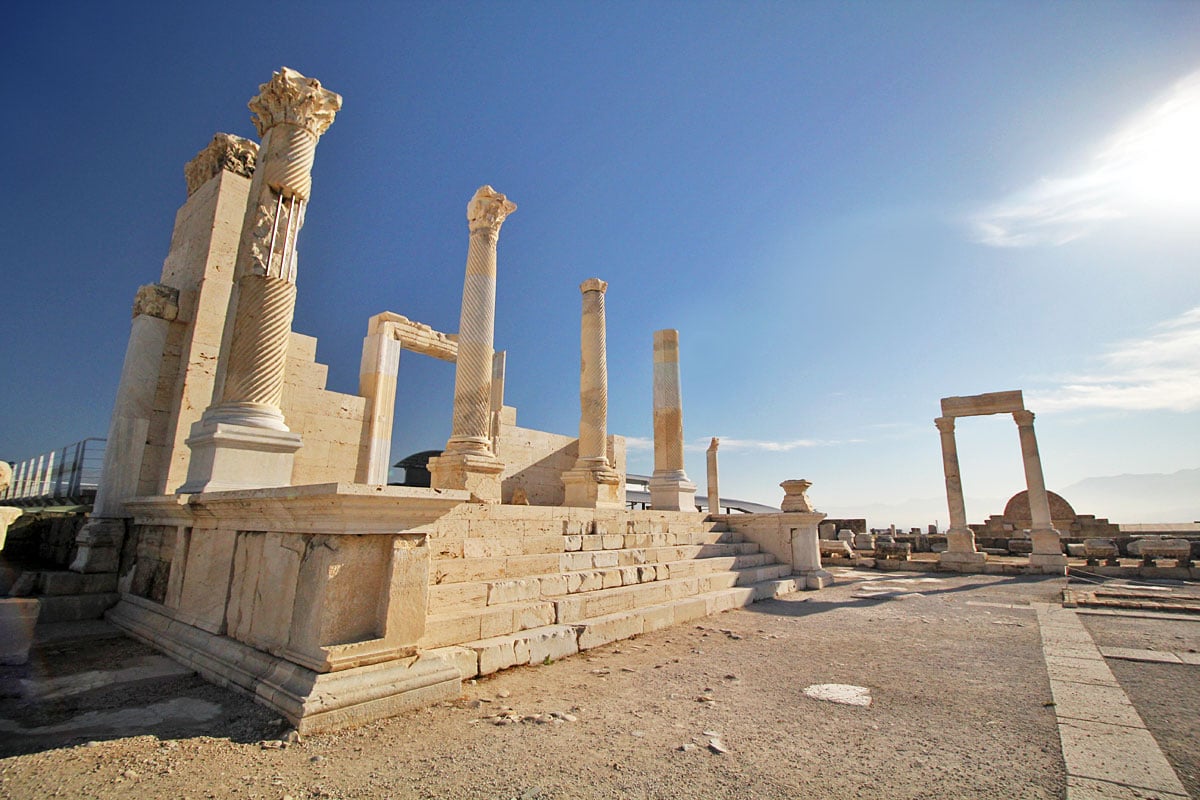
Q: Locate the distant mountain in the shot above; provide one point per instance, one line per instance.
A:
(1154, 497)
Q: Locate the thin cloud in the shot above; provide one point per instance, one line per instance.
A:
(638, 443)
(1151, 166)
(1160, 372)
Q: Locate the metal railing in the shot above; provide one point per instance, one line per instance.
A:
(67, 476)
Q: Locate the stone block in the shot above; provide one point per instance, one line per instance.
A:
(464, 659)
(551, 642)
(513, 591)
(604, 559)
(612, 628)
(497, 653)
(572, 543)
(18, 616)
(657, 617)
(688, 609)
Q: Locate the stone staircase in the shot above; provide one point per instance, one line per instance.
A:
(561, 594)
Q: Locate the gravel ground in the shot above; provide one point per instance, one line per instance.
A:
(957, 680)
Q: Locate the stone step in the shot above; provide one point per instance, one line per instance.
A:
(445, 597)
(74, 607)
(552, 642)
(481, 569)
(543, 543)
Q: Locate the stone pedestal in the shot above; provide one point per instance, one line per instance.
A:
(960, 550)
(794, 497)
(1047, 551)
(228, 456)
(806, 549)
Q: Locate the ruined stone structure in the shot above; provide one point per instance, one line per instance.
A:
(246, 509)
(961, 552)
(1018, 516)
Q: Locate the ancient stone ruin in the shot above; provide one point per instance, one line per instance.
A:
(245, 507)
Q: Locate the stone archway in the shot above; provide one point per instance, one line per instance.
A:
(1047, 549)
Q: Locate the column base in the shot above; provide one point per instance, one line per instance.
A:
(593, 487)
(471, 472)
(670, 493)
(98, 545)
(228, 456)
(960, 549)
(815, 579)
(1047, 550)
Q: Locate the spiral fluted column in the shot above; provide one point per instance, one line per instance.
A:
(468, 461)
(593, 483)
(242, 441)
(670, 489)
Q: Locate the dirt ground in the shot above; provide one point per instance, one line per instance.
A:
(960, 707)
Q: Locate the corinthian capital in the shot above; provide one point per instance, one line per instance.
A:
(1023, 418)
(224, 152)
(945, 424)
(156, 300)
(488, 210)
(290, 98)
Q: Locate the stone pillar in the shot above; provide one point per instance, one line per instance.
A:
(8, 514)
(802, 523)
(1047, 547)
(99, 541)
(670, 489)
(960, 539)
(377, 375)
(592, 482)
(242, 442)
(714, 489)
(496, 401)
(468, 461)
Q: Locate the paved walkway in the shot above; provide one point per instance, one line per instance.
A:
(1108, 751)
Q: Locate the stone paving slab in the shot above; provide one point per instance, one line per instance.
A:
(1109, 753)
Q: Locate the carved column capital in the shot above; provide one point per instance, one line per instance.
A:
(1023, 419)
(487, 211)
(945, 424)
(594, 285)
(714, 444)
(224, 152)
(289, 98)
(156, 300)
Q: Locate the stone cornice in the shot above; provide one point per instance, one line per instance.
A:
(292, 99)
(225, 152)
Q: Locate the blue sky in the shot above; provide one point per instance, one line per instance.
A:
(848, 211)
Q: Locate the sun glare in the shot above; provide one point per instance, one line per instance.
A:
(1156, 160)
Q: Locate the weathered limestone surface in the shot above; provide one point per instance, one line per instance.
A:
(670, 489)
(535, 461)
(975, 405)
(224, 152)
(468, 462)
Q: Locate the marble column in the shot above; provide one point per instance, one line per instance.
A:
(960, 539)
(98, 543)
(592, 482)
(1047, 546)
(670, 489)
(714, 489)
(468, 462)
(242, 442)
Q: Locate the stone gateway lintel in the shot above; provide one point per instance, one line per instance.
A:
(982, 404)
